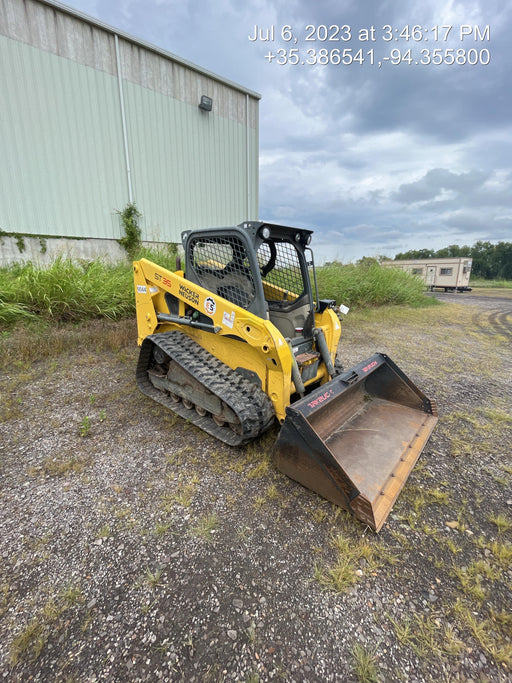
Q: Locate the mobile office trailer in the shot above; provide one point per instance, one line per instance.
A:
(450, 274)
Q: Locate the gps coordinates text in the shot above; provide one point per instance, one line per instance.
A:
(412, 44)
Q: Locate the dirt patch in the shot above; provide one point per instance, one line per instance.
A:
(134, 547)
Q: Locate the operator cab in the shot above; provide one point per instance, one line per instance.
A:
(260, 267)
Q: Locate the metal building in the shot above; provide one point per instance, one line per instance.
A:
(92, 119)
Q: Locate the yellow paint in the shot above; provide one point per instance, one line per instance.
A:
(259, 346)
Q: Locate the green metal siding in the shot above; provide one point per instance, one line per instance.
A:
(61, 152)
(189, 166)
(62, 155)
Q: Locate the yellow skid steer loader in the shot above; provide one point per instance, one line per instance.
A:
(240, 339)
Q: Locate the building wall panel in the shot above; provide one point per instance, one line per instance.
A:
(62, 146)
(61, 162)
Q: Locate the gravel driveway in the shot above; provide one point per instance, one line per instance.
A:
(135, 548)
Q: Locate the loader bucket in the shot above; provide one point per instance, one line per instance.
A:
(356, 439)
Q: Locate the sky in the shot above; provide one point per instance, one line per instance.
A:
(385, 125)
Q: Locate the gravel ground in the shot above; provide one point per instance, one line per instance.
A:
(135, 548)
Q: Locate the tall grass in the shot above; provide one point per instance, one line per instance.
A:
(363, 286)
(67, 290)
(73, 291)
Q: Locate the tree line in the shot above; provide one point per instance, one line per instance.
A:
(490, 261)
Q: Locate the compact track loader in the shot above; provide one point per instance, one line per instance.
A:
(240, 339)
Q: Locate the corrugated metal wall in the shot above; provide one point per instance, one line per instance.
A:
(63, 167)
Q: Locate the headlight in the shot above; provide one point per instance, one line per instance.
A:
(265, 233)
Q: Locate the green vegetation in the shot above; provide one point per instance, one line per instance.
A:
(353, 560)
(491, 284)
(206, 525)
(65, 291)
(49, 621)
(74, 291)
(369, 285)
(153, 578)
(365, 664)
(129, 216)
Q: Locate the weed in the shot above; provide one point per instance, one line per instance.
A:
(451, 545)
(361, 285)
(85, 426)
(72, 595)
(365, 664)
(259, 502)
(153, 578)
(129, 217)
(251, 634)
(501, 521)
(272, 493)
(427, 636)
(59, 467)
(262, 469)
(161, 528)
(244, 533)
(351, 556)
(471, 583)
(182, 496)
(206, 525)
(104, 532)
(488, 632)
(31, 640)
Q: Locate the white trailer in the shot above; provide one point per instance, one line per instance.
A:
(450, 274)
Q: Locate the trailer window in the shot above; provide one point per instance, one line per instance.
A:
(417, 271)
(446, 271)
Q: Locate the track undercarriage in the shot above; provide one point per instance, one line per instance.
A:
(181, 375)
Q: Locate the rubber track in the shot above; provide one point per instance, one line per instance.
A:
(251, 405)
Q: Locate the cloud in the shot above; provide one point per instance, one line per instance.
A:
(438, 183)
(372, 158)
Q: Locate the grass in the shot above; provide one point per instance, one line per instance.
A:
(363, 286)
(152, 578)
(206, 525)
(365, 664)
(492, 284)
(60, 466)
(47, 623)
(28, 342)
(427, 636)
(502, 522)
(75, 291)
(68, 290)
(354, 558)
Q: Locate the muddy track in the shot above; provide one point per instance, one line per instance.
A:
(495, 322)
(494, 315)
